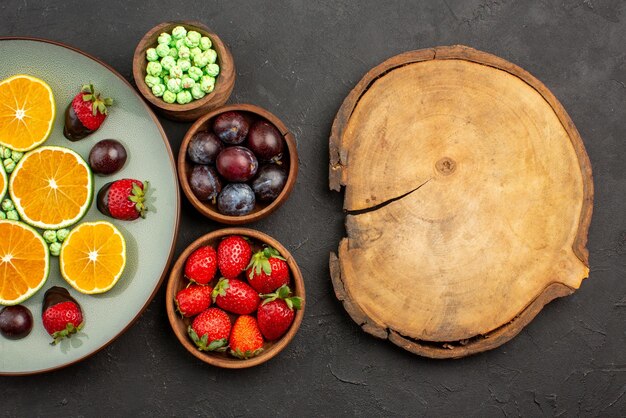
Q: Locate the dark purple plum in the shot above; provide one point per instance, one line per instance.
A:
(265, 141)
(231, 127)
(205, 183)
(269, 182)
(204, 147)
(237, 164)
(16, 322)
(107, 157)
(236, 199)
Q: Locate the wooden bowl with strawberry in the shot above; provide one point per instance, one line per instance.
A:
(235, 298)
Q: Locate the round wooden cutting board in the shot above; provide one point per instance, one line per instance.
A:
(469, 196)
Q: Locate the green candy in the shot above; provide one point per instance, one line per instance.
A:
(159, 89)
(151, 54)
(190, 44)
(169, 97)
(7, 205)
(211, 55)
(184, 52)
(183, 97)
(180, 43)
(184, 64)
(179, 32)
(167, 63)
(55, 249)
(9, 165)
(212, 69)
(16, 155)
(195, 51)
(188, 82)
(13, 216)
(196, 92)
(6, 152)
(50, 236)
(166, 78)
(173, 53)
(174, 85)
(176, 72)
(200, 60)
(154, 68)
(195, 73)
(163, 50)
(194, 37)
(164, 38)
(62, 234)
(3, 215)
(205, 43)
(151, 80)
(207, 83)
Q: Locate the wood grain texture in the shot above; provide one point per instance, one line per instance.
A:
(261, 210)
(224, 83)
(467, 177)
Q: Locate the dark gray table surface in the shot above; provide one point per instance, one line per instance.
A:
(299, 59)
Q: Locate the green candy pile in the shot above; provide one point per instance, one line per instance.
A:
(182, 67)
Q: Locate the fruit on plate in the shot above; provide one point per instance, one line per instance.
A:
(233, 256)
(210, 330)
(86, 113)
(237, 164)
(267, 270)
(236, 199)
(235, 296)
(269, 182)
(204, 147)
(107, 157)
(27, 112)
(205, 183)
(265, 141)
(24, 262)
(51, 187)
(123, 199)
(245, 340)
(16, 322)
(231, 127)
(193, 299)
(276, 313)
(201, 265)
(93, 257)
(61, 314)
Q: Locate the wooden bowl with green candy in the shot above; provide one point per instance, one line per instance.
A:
(183, 69)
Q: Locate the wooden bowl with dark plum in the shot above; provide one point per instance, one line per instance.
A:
(224, 82)
(177, 281)
(237, 164)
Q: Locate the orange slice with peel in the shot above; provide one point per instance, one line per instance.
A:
(24, 262)
(27, 112)
(51, 187)
(93, 257)
(4, 181)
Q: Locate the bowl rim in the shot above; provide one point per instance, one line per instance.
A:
(224, 56)
(176, 276)
(251, 217)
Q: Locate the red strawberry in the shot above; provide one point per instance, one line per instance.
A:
(233, 256)
(123, 199)
(210, 330)
(276, 313)
(61, 314)
(201, 265)
(246, 340)
(267, 271)
(85, 113)
(194, 299)
(235, 296)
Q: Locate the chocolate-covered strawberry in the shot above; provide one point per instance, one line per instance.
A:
(61, 314)
(123, 199)
(85, 113)
(235, 296)
(276, 313)
(267, 270)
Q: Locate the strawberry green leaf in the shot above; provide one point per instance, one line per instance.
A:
(216, 345)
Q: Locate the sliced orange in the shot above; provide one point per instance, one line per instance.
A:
(4, 182)
(51, 187)
(93, 257)
(27, 111)
(24, 262)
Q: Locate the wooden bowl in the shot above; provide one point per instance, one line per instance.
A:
(261, 210)
(224, 82)
(177, 281)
